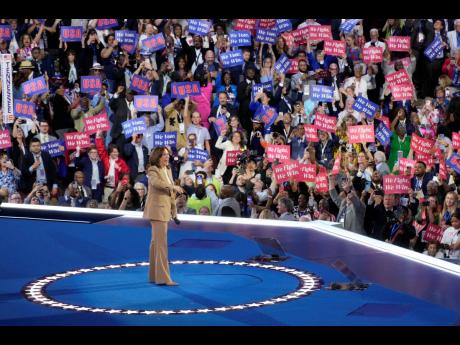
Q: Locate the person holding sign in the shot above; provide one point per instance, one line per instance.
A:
(233, 143)
(159, 208)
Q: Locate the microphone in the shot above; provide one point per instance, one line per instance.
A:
(176, 220)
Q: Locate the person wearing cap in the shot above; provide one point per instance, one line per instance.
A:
(25, 73)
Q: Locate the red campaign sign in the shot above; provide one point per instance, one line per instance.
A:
(300, 35)
(372, 55)
(335, 48)
(245, 24)
(267, 23)
(311, 133)
(398, 43)
(396, 184)
(326, 123)
(307, 173)
(405, 163)
(442, 169)
(5, 139)
(402, 92)
(280, 152)
(398, 78)
(427, 158)
(232, 157)
(361, 134)
(319, 32)
(421, 145)
(336, 167)
(288, 38)
(294, 68)
(286, 171)
(433, 233)
(74, 139)
(456, 140)
(96, 123)
(322, 183)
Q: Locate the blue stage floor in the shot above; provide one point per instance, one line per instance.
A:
(31, 250)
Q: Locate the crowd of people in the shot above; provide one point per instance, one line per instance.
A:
(111, 172)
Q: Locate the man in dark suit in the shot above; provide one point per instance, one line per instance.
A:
(136, 156)
(93, 170)
(195, 55)
(123, 108)
(238, 72)
(38, 166)
(208, 66)
(285, 104)
(334, 79)
(244, 91)
(421, 178)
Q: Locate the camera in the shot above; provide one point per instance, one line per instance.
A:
(242, 158)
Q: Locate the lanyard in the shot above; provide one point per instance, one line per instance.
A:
(394, 228)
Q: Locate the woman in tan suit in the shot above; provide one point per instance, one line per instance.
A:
(160, 207)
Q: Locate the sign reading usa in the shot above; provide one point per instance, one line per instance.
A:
(91, 84)
(55, 148)
(154, 43)
(184, 89)
(139, 84)
(363, 105)
(321, 93)
(71, 33)
(266, 114)
(36, 86)
(134, 126)
(232, 58)
(96, 123)
(240, 39)
(103, 24)
(5, 32)
(164, 139)
(334, 48)
(198, 26)
(398, 43)
(283, 64)
(146, 103)
(76, 139)
(23, 109)
(266, 36)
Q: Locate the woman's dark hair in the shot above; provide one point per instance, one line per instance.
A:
(156, 154)
(200, 192)
(113, 147)
(106, 38)
(358, 184)
(224, 73)
(21, 77)
(176, 62)
(89, 33)
(456, 214)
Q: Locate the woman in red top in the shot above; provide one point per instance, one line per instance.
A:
(113, 165)
(451, 64)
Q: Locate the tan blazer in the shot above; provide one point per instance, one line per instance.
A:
(161, 201)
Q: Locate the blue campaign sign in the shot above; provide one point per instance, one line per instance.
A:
(240, 38)
(165, 139)
(146, 103)
(90, 84)
(220, 123)
(266, 114)
(321, 93)
(283, 25)
(383, 134)
(55, 148)
(260, 87)
(154, 43)
(432, 51)
(103, 24)
(139, 84)
(232, 58)
(456, 78)
(36, 86)
(6, 32)
(23, 109)
(198, 155)
(365, 106)
(184, 89)
(127, 40)
(133, 126)
(283, 64)
(454, 162)
(71, 33)
(198, 26)
(348, 25)
(266, 36)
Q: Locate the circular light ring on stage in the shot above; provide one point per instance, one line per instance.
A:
(36, 291)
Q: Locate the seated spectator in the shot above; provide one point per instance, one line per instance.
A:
(181, 204)
(285, 208)
(199, 199)
(141, 189)
(451, 237)
(433, 249)
(44, 135)
(93, 171)
(9, 177)
(228, 206)
(15, 198)
(136, 155)
(204, 211)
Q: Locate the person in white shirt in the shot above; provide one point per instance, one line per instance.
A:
(358, 83)
(454, 37)
(151, 129)
(451, 237)
(374, 42)
(44, 133)
(348, 111)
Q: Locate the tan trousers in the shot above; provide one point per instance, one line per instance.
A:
(159, 266)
